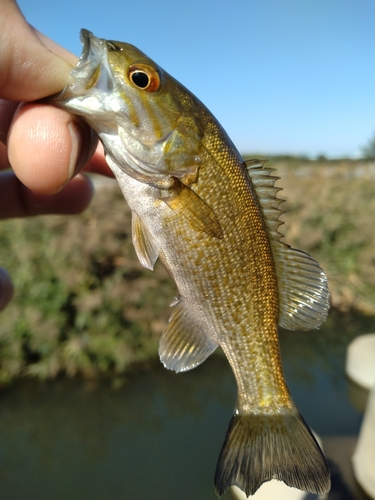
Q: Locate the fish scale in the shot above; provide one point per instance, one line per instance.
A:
(213, 220)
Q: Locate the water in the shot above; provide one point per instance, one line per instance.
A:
(158, 436)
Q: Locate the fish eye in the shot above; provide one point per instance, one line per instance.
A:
(144, 77)
(140, 79)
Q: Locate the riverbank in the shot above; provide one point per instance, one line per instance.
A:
(330, 213)
(85, 306)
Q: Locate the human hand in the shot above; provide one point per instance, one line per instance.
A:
(46, 147)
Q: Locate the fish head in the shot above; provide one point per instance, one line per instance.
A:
(144, 118)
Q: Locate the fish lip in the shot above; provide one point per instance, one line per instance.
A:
(93, 49)
(85, 39)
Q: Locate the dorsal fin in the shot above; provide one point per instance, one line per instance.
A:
(264, 186)
(302, 284)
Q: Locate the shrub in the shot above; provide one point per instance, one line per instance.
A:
(83, 303)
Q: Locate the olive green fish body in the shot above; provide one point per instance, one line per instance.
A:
(227, 283)
(213, 221)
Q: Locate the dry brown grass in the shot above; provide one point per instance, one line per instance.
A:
(331, 214)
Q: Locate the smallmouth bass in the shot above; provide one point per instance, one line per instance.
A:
(213, 221)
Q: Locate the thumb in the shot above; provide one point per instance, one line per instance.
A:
(31, 65)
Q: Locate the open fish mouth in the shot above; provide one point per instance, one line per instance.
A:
(85, 38)
(93, 49)
(88, 78)
(89, 67)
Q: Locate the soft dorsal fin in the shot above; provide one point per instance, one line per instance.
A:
(184, 345)
(303, 289)
(302, 284)
(145, 246)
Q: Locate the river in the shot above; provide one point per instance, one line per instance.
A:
(158, 436)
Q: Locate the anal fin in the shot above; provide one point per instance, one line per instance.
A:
(184, 345)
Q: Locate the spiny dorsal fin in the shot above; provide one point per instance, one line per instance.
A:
(264, 186)
(145, 246)
(303, 288)
(184, 345)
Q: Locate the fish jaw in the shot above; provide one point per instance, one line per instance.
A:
(148, 136)
(90, 85)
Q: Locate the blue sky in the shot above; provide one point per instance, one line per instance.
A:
(282, 76)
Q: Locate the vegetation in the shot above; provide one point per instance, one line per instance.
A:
(368, 151)
(84, 305)
(330, 214)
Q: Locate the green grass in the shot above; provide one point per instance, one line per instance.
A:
(83, 304)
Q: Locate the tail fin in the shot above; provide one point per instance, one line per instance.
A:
(258, 448)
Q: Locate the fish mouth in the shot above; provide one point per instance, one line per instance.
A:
(91, 69)
(85, 38)
(93, 50)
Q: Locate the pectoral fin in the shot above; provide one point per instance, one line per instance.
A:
(186, 203)
(184, 345)
(144, 244)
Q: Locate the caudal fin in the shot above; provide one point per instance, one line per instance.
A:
(258, 448)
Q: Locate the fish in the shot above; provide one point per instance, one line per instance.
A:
(213, 220)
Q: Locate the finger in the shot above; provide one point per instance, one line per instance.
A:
(4, 162)
(96, 164)
(7, 111)
(18, 201)
(55, 48)
(6, 288)
(48, 146)
(31, 65)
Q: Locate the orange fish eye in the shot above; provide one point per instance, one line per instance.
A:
(144, 77)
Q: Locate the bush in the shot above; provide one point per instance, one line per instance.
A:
(83, 303)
